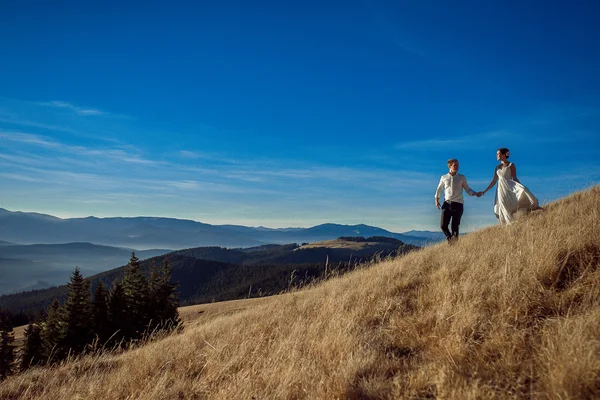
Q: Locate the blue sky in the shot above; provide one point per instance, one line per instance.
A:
(292, 113)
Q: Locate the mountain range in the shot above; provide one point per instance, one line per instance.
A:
(170, 233)
(38, 250)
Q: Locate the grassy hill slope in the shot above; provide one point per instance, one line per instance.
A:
(508, 312)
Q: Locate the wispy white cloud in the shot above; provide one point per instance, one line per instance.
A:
(22, 161)
(427, 144)
(81, 153)
(217, 157)
(95, 168)
(23, 122)
(473, 141)
(499, 137)
(27, 138)
(189, 154)
(301, 174)
(63, 117)
(76, 109)
(19, 177)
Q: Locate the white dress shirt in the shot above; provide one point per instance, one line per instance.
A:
(453, 187)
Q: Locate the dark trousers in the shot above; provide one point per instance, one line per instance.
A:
(451, 211)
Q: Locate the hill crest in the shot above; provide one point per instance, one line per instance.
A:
(507, 312)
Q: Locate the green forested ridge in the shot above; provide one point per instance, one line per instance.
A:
(206, 274)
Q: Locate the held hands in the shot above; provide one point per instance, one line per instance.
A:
(479, 194)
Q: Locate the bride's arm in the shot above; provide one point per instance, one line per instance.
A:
(492, 183)
(513, 172)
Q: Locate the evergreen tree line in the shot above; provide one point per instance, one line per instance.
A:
(134, 309)
(216, 274)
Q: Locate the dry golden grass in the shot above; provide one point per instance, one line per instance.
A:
(19, 333)
(202, 313)
(508, 312)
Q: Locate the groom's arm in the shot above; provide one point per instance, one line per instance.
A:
(438, 193)
(470, 191)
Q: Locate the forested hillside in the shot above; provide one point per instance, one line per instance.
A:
(208, 274)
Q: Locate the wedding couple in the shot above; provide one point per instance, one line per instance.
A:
(512, 198)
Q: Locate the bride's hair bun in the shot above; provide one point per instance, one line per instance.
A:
(505, 151)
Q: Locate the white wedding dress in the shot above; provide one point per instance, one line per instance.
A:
(512, 199)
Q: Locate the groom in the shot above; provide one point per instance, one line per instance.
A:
(452, 184)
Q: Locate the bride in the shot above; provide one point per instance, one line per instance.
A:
(512, 199)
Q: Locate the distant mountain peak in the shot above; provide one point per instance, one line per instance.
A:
(147, 232)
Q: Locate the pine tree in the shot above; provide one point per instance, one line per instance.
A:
(7, 347)
(135, 289)
(53, 333)
(100, 321)
(33, 348)
(163, 298)
(78, 315)
(153, 295)
(167, 298)
(117, 314)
